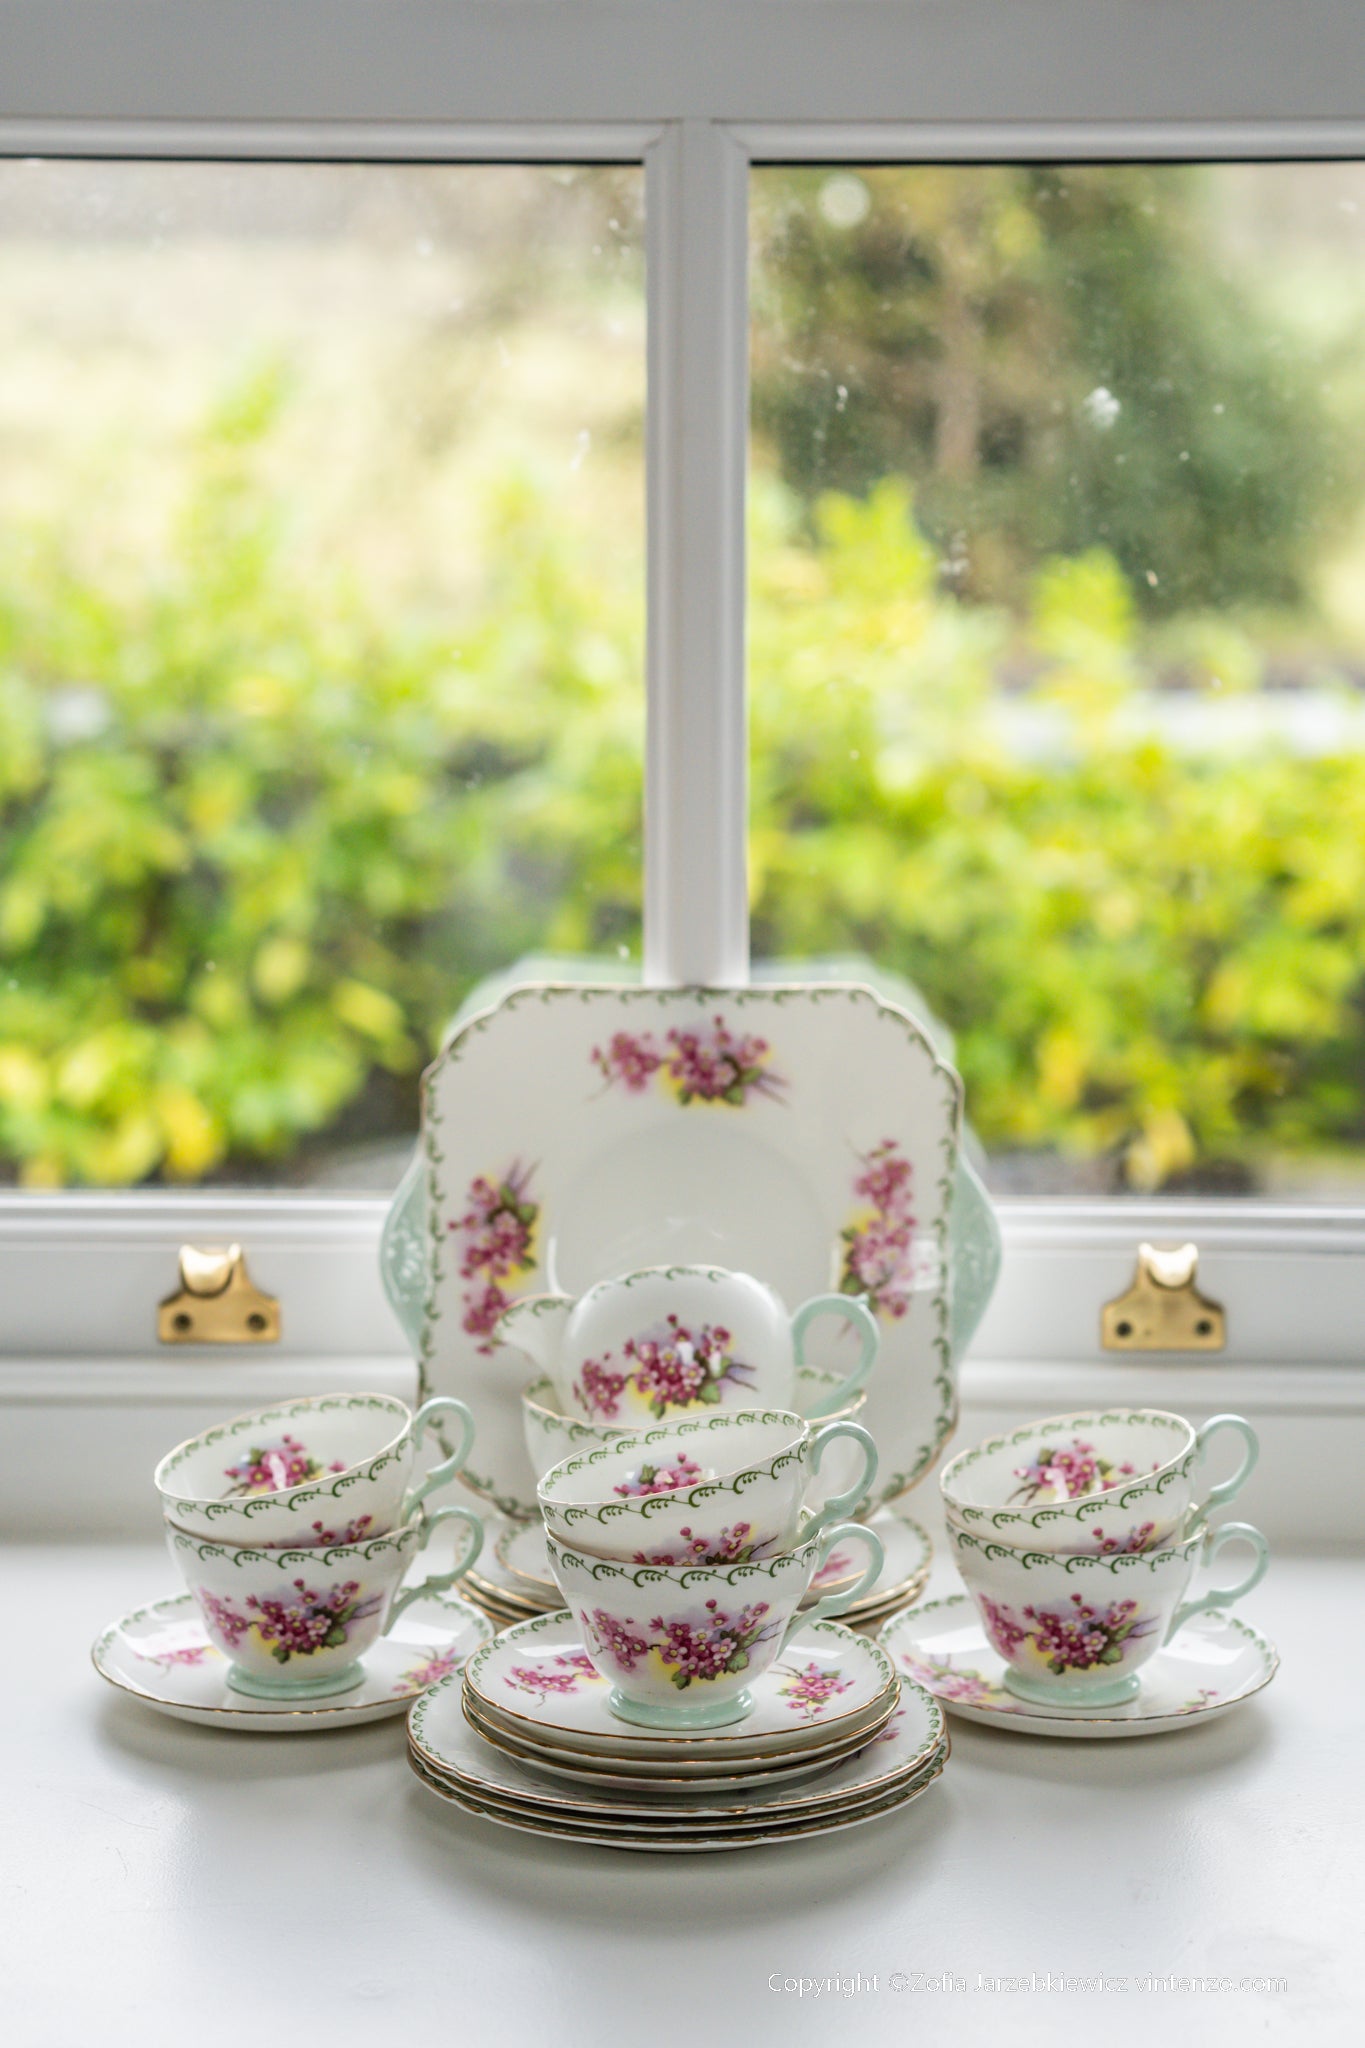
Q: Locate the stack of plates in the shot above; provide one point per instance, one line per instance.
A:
(513, 1581)
(527, 1739)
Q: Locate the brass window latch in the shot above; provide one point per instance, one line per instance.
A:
(1163, 1310)
(217, 1302)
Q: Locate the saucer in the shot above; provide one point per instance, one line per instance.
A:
(902, 1758)
(672, 1842)
(670, 1774)
(537, 1680)
(161, 1654)
(1213, 1664)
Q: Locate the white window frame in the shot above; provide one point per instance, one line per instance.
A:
(697, 91)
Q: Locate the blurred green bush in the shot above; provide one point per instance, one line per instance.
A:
(256, 841)
(1150, 956)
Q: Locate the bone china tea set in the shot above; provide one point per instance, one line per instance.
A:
(690, 1519)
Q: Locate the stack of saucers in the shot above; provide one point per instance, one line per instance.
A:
(529, 1739)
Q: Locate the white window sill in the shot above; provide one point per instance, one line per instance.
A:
(175, 1880)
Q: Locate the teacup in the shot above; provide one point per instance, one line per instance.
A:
(295, 1623)
(671, 1341)
(1115, 1479)
(1075, 1631)
(724, 1489)
(681, 1645)
(325, 1465)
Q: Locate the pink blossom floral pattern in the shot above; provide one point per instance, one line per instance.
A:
(189, 1657)
(812, 1689)
(710, 1064)
(969, 1688)
(668, 1367)
(1003, 1631)
(496, 1239)
(1076, 1637)
(684, 1471)
(1205, 1697)
(320, 1537)
(294, 1624)
(732, 1546)
(836, 1567)
(552, 1675)
(271, 1468)
(714, 1645)
(440, 1664)
(1132, 1545)
(1068, 1472)
(878, 1243)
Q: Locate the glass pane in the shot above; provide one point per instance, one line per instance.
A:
(1058, 645)
(320, 695)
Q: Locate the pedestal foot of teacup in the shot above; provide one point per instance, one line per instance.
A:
(1103, 1693)
(716, 1714)
(344, 1679)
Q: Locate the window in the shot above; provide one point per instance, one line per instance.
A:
(697, 97)
(320, 697)
(1056, 645)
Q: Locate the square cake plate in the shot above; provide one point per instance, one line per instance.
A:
(807, 1135)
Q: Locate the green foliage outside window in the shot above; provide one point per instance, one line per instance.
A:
(256, 847)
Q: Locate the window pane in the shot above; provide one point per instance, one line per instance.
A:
(1058, 645)
(320, 693)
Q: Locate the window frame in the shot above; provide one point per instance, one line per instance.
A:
(696, 92)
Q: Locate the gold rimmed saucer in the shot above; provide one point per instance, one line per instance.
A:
(580, 1767)
(745, 1817)
(161, 1655)
(671, 1842)
(537, 1680)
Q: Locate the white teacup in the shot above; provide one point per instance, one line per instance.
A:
(681, 1646)
(672, 1341)
(1076, 1630)
(723, 1489)
(295, 1623)
(1113, 1479)
(327, 1464)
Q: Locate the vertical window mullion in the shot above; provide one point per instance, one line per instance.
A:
(696, 778)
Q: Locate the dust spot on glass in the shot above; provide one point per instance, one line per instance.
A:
(845, 200)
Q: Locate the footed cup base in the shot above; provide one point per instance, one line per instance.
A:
(646, 1714)
(1110, 1692)
(344, 1679)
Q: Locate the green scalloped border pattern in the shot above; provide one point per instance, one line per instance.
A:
(683, 1577)
(1093, 1504)
(290, 1499)
(409, 1537)
(1070, 1562)
(891, 1486)
(642, 1507)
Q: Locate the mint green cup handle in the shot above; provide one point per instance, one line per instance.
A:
(853, 1309)
(842, 1503)
(441, 1404)
(1223, 1596)
(1221, 1495)
(838, 1603)
(439, 1581)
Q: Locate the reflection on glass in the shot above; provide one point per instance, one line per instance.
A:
(320, 693)
(1058, 645)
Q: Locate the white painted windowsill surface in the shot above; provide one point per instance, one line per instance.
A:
(164, 1882)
